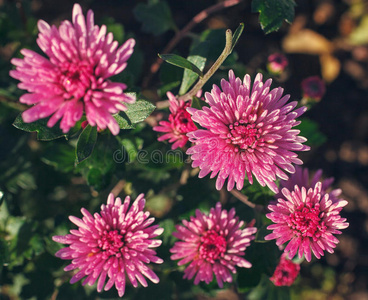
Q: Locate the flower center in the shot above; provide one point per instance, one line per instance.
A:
(315, 87)
(182, 122)
(213, 246)
(278, 60)
(111, 242)
(76, 79)
(306, 221)
(244, 136)
(285, 274)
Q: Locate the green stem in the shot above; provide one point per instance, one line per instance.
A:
(201, 82)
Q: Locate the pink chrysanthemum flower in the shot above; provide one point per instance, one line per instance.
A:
(179, 124)
(313, 88)
(74, 79)
(301, 178)
(213, 244)
(307, 220)
(248, 131)
(115, 244)
(286, 272)
(277, 63)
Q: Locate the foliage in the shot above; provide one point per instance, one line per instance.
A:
(155, 17)
(44, 133)
(48, 175)
(273, 13)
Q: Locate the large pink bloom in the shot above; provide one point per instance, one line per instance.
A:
(286, 272)
(248, 131)
(307, 219)
(213, 244)
(179, 124)
(301, 178)
(114, 244)
(74, 79)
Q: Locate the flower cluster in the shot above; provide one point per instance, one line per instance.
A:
(248, 131)
(178, 125)
(212, 244)
(117, 243)
(74, 79)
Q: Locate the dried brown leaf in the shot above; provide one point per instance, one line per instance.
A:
(330, 67)
(307, 41)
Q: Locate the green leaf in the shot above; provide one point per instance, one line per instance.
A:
(266, 290)
(161, 159)
(273, 12)
(197, 56)
(168, 87)
(60, 156)
(25, 180)
(190, 77)
(169, 227)
(4, 253)
(25, 242)
(137, 112)
(310, 130)
(261, 233)
(215, 40)
(95, 178)
(156, 17)
(44, 133)
(86, 143)
(115, 28)
(258, 194)
(170, 78)
(198, 103)
(130, 149)
(1, 198)
(181, 62)
(123, 121)
(265, 256)
(237, 35)
(100, 166)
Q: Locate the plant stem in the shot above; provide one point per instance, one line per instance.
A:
(118, 187)
(242, 198)
(204, 14)
(11, 103)
(225, 53)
